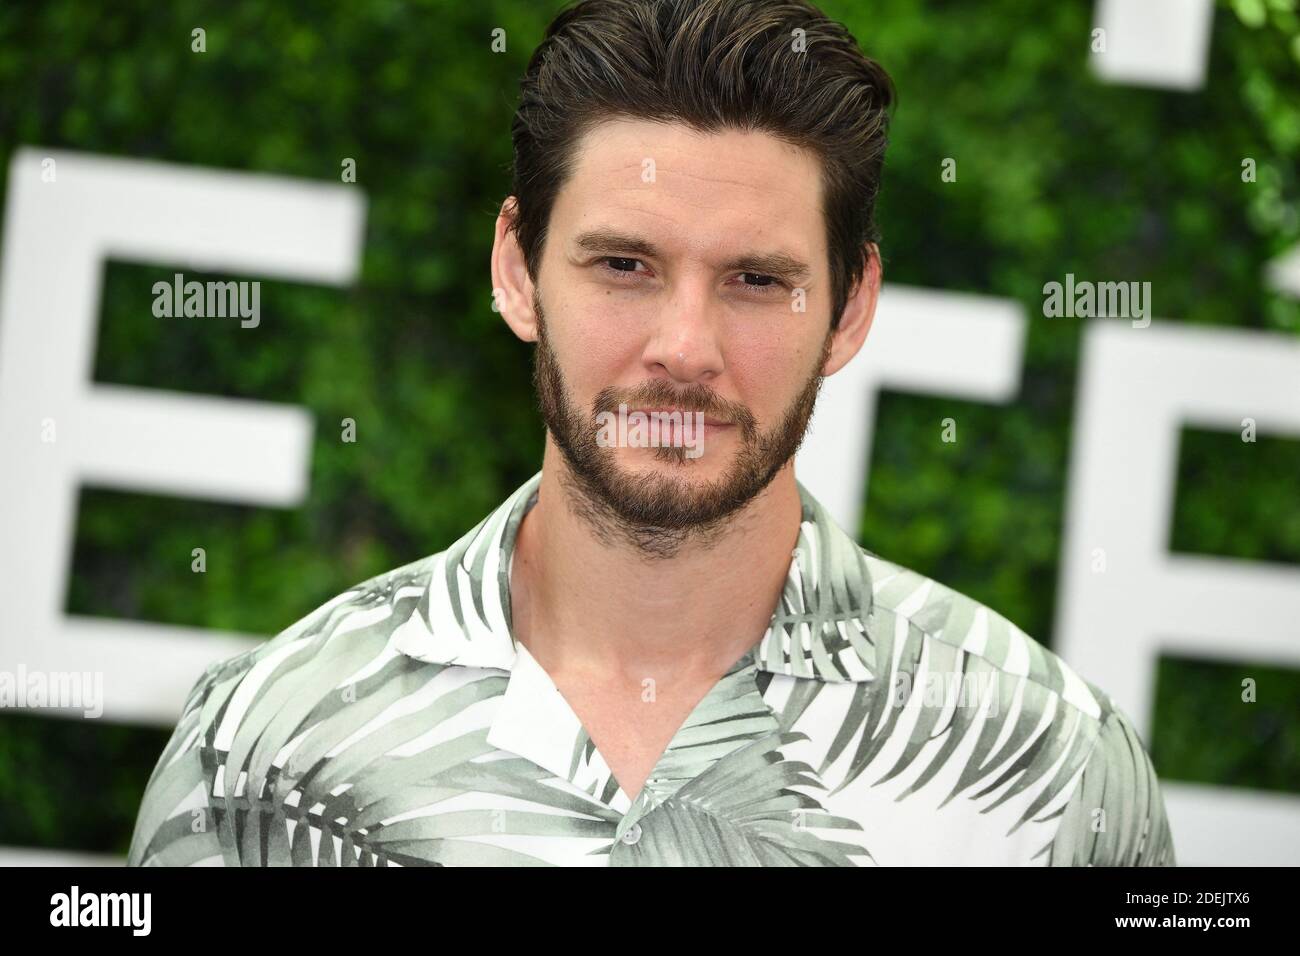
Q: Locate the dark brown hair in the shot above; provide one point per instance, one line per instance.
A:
(711, 65)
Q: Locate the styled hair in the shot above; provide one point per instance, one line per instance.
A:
(775, 66)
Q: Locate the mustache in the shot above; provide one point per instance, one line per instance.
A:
(690, 401)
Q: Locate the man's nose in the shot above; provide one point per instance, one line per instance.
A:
(687, 342)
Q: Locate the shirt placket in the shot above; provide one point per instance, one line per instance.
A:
(536, 723)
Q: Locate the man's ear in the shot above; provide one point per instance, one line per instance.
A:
(859, 311)
(512, 287)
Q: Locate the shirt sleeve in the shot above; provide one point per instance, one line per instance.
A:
(1116, 815)
(175, 823)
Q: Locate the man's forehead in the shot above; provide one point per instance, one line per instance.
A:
(641, 149)
(657, 177)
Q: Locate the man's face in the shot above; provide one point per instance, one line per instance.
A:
(687, 272)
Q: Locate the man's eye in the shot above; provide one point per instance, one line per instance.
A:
(620, 264)
(625, 265)
(765, 282)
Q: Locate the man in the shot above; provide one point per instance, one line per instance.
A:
(661, 649)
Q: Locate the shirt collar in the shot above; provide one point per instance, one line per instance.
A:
(818, 629)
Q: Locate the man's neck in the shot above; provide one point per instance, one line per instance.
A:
(596, 607)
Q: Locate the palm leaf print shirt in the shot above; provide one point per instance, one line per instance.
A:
(883, 719)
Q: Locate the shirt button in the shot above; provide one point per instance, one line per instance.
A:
(632, 834)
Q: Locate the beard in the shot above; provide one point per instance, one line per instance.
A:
(657, 512)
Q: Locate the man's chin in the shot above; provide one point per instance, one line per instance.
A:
(674, 465)
(648, 491)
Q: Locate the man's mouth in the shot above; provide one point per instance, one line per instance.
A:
(685, 415)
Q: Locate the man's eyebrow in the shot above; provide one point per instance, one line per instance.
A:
(780, 265)
(607, 241)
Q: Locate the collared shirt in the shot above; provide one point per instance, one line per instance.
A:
(882, 719)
